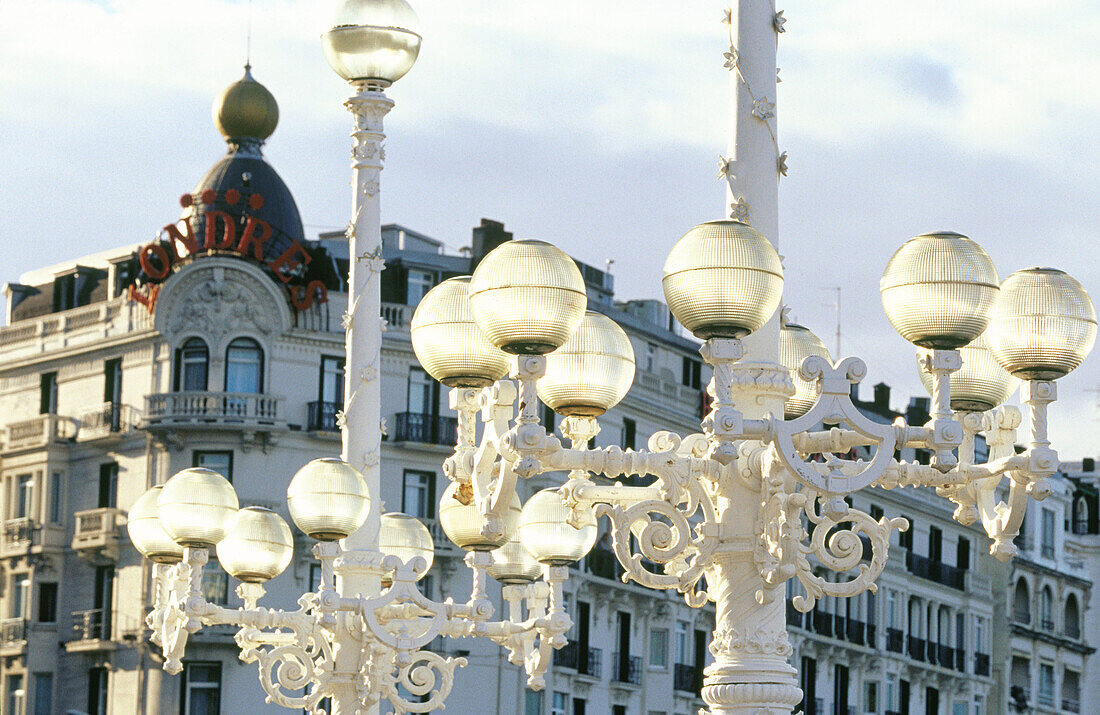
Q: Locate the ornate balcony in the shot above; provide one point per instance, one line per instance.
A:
(322, 416)
(13, 636)
(895, 640)
(93, 631)
(626, 669)
(97, 532)
(426, 429)
(19, 537)
(687, 678)
(917, 648)
(38, 432)
(111, 419)
(205, 410)
(941, 573)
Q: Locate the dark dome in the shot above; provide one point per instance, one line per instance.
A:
(249, 175)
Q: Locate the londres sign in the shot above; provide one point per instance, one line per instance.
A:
(158, 257)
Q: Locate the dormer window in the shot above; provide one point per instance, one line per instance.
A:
(64, 292)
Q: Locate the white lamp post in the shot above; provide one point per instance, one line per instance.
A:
(722, 517)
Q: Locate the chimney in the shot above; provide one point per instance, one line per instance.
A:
(917, 412)
(882, 398)
(486, 237)
(1088, 464)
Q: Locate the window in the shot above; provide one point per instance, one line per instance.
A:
(962, 553)
(112, 381)
(1046, 684)
(97, 691)
(979, 705)
(560, 705)
(56, 515)
(935, 544)
(658, 648)
(692, 374)
(876, 512)
(1046, 609)
(630, 433)
(905, 538)
(979, 634)
(24, 497)
(418, 285)
(891, 695)
(244, 367)
(579, 706)
(202, 689)
(959, 708)
(618, 710)
(192, 361)
(314, 577)
(418, 496)
(532, 703)
(870, 696)
(108, 485)
(64, 292)
(650, 357)
(43, 693)
(47, 602)
(1072, 619)
(215, 583)
(549, 418)
(17, 696)
(1047, 542)
(683, 647)
(421, 392)
(47, 402)
(20, 595)
(892, 609)
(332, 380)
(220, 461)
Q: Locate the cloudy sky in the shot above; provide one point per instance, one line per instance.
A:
(595, 124)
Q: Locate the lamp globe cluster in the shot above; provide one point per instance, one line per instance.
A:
(940, 291)
(373, 42)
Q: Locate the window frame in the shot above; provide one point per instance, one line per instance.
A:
(44, 588)
(662, 664)
(241, 343)
(192, 344)
(429, 493)
(188, 684)
(198, 454)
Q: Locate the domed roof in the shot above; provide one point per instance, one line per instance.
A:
(246, 110)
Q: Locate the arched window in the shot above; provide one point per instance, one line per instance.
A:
(244, 367)
(1073, 618)
(192, 361)
(1021, 605)
(1046, 609)
(1081, 516)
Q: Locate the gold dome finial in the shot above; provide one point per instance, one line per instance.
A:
(246, 110)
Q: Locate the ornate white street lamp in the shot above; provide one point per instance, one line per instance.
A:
(722, 517)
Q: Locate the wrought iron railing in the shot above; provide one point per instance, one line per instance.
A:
(945, 656)
(425, 428)
(895, 640)
(917, 648)
(592, 665)
(322, 416)
(981, 664)
(105, 419)
(941, 573)
(687, 678)
(626, 669)
(857, 631)
(1071, 705)
(1021, 616)
(960, 660)
(92, 625)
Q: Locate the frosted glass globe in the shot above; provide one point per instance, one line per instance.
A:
(980, 385)
(527, 297)
(403, 536)
(548, 536)
(796, 343)
(938, 290)
(513, 564)
(723, 279)
(147, 533)
(328, 499)
(1043, 325)
(447, 341)
(196, 507)
(462, 522)
(258, 547)
(373, 41)
(591, 372)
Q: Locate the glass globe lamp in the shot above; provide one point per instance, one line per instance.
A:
(513, 564)
(462, 522)
(328, 499)
(591, 372)
(447, 341)
(980, 385)
(796, 343)
(258, 547)
(196, 507)
(548, 536)
(373, 41)
(403, 536)
(938, 289)
(146, 532)
(1043, 325)
(528, 297)
(723, 279)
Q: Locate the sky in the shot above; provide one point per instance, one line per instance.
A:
(596, 125)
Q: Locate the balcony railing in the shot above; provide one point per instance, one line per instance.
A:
(20, 536)
(895, 640)
(1072, 631)
(592, 666)
(92, 625)
(794, 616)
(626, 669)
(981, 664)
(917, 648)
(823, 623)
(322, 416)
(39, 431)
(566, 656)
(1046, 624)
(687, 678)
(426, 429)
(960, 660)
(212, 408)
(857, 631)
(1071, 705)
(13, 631)
(98, 530)
(107, 419)
(932, 651)
(945, 656)
(941, 573)
(1022, 617)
